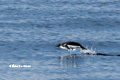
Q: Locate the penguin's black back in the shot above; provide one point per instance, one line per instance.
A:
(73, 43)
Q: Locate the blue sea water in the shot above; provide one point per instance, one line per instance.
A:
(30, 29)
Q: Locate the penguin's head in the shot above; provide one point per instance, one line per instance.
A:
(58, 45)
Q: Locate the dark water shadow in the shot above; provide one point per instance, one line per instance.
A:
(103, 54)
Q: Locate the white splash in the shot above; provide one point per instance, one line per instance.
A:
(88, 51)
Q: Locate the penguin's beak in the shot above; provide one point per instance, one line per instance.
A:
(57, 45)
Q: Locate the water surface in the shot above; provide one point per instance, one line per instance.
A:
(30, 29)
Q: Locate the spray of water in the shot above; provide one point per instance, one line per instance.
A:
(85, 51)
(88, 51)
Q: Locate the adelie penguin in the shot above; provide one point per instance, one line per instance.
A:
(70, 46)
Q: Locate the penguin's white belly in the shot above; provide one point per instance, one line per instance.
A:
(63, 47)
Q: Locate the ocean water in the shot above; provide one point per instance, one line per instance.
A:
(30, 29)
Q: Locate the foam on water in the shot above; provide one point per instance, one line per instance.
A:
(88, 51)
(85, 51)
